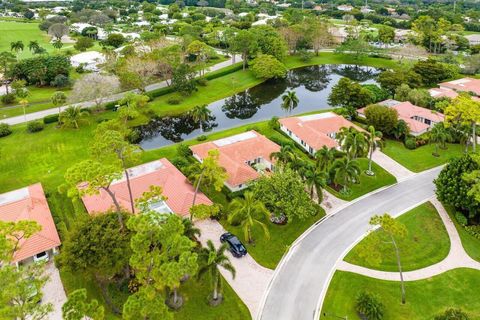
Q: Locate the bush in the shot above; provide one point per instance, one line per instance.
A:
(224, 71)
(183, 150)
(175, 99)
(273, 123)
(202, 82)
(369, 306)
(410, 143)
(201, 138)
(474, 231)
(50, 119)
(9, 98)
(5, 130)
(35, 126)
(60, 81)
(461, 219)
(452, 314)
(305, 56)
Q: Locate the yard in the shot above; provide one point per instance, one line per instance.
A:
(427, 242)
(420, 159)
(457, 288)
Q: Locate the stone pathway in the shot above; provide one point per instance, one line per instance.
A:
(457, 257)
(251, 279)
(53, 292)
(393, 167)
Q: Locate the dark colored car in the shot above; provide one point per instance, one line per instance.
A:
(236, 247)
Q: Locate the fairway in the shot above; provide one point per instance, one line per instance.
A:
(11, 31)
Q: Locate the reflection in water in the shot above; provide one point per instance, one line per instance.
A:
(312, 86)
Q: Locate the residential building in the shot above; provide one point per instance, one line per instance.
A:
(437, 93)
(418, 119)
(473, 39)
(312, 132)
(245, 157)
(345, 7)
(469, 85)
(30, 203)
(177, 190)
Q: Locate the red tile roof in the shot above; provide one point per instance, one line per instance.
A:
(443, 93)
(464, 84)
(30, 204)
(176, 188)
(314, 129)
(235, 151)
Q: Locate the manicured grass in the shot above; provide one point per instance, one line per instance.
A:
(420, 159)
(367, 183)
(457, 288)
(469, 242)
(427, 242)
(337, 58)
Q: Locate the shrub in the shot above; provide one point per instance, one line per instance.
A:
(369, 306)
(201, 138)
(50, 119)
(474, 231)
(452, 314)
(273, 123)
(305, 56)
(410, 143)
(202, 82)
(175, 99)
(35, 126)
(461, 219)
(5, 130)
(9, 98)
(60, 81)
(183, 150)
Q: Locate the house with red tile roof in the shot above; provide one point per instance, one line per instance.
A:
(176, 189)
(30, 203)
(469, 85)
(314, 131)
(418, 119)
(438, 93)
(244, 156)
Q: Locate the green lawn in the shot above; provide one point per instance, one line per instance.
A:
(367, 183)
(427, 242)
(420, 159)
(457, 288)
(469, 242)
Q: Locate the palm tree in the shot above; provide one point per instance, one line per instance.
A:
(346, 172)
(373, 137)
(58, 99)
(325, 157)
(71, 116)
(57, 44)
(17, 46)
(285, 156)
(353, 142)
(189, 229)
(316, 180)
(439, 135)
(7, 59)
(401, 129)
(200, 114)
(248, 211)
(33, 46)
(23, 93)
(211, 259)
(290, 101)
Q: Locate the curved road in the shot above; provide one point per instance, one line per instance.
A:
(301, 280)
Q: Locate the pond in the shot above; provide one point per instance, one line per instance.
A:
(311, 84)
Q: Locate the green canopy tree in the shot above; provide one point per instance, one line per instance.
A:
(439, 135)
(7, 59)
(11, 233)
(78, 307)
(146, 304)
(245, 43)
(347, 93)
(464, 110)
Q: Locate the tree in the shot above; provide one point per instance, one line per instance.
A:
(210, 261)
(139, 71)
(207, 174)
(283, 194)
(22, 92)
(440, 136)
(94, 87)
(386, 34)
(345, 172)
(433, 72)
(7, 59)
(452, 314)
(324, 158)
(12, 233)
(320, 36)
(358, 47)
(41, 70)
(394, 231)
(183, 79)
(347, 93)
(290, 101)
(146, 304)
(78, 307)
(245, 43)
(58, 30)
(110, 146)
(59, 98)
(115, 40)
(29, 14)
(268, 67)
(315, 180)
(88, 177)
(401, 130)
(285, 155)
(353, 142)
(464, 110)
(381, 118)
(369, 306)
(33, 46)
(200, 114)
(373, 138)
(17, 46)
(202, 53)
(83, 43)
(247, 212)
(71, 117)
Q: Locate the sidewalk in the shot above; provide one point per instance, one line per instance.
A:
(53, 291)
(88, 104)
(393, 167)
(457, 257)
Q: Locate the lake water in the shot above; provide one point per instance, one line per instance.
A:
(311, 84)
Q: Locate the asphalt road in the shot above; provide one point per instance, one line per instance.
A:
(302, 279)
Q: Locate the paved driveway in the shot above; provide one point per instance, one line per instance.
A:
(302, 278)
(53, 292)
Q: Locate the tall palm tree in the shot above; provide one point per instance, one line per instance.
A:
(346, 172)
(439, 135)
(373, 137)
(7, 59)
(316, 180)
(200, 114)
(57, 44)
(401, 129)
(212, 258)
(17, 46)
(353, 142)
(33, 46)
(71, 116)
(190, 230)
(285, 155)
(325, 157)
(248, 211)
(290, 101)
(58, 99)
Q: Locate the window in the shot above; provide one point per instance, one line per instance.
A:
(160, 207)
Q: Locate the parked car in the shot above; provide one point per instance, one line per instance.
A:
(236, 247)
(42, 256)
